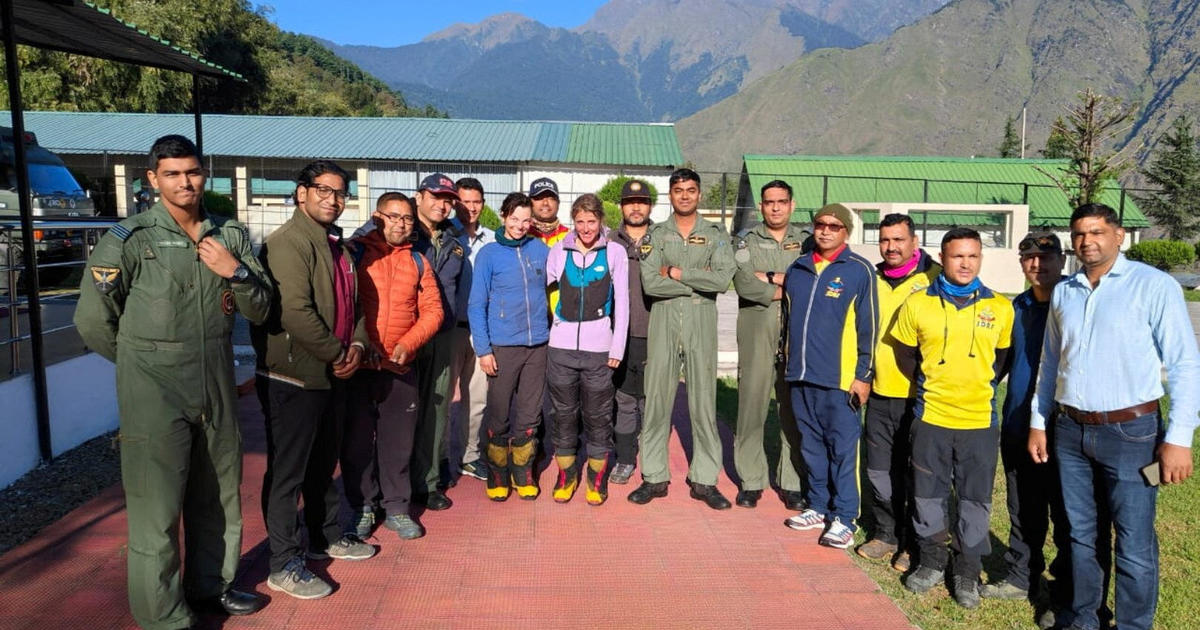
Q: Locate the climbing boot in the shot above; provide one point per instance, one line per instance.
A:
(568, 478)
(497, 480)
(521, 454)
(597, 480)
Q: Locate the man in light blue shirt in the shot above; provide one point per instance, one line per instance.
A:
(1113, 326)
(468, 382)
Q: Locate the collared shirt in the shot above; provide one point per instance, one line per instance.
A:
(1105, 347)
(472, 244)
(1029, 329)
(889, 380)
(957, 344)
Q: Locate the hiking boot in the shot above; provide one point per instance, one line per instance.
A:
(902, 561)
(596, 481)
(348, 547)
(876, 549)
(497, 478)
(404, 526)
(364, 524)
(520, 467)
(296, 580)
(966, 591)
(477, 469)
(648, 491)
(621, 473)
(1003, 589)
(808, 519)
(568, 478)
(923, 579)
(838, 536)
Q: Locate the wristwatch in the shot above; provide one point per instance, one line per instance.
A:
(241, 273)
(771, 277)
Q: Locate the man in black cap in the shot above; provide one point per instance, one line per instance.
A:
(438, 240)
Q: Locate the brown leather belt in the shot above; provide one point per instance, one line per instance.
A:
(1110, 417)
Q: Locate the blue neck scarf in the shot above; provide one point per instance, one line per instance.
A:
(953, 290)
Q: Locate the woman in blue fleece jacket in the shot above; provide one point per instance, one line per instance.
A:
(510, 325)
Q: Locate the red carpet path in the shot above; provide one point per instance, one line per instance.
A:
(671, 564)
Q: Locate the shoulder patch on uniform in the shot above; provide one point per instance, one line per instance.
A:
(227, 303)
(120, 231)
(105, 278)
(458, 250)
(740, 243)
(645, 246)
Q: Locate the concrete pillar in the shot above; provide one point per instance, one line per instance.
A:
(364, 194)
(121, 186)
(242, 186)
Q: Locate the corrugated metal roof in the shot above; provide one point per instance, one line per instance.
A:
(931, 179)
(425, 139)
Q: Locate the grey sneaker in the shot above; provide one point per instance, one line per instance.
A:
(296, 580)
(923, 579)
(477, 469)
(348, 547)
(1003, 590)
(364, 524)
(621, 473)
(966, 591)
(404, 526)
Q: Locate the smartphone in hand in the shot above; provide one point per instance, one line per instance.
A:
(1151, 473)
(852, 400)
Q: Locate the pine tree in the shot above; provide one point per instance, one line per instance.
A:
(1058, 145)
(1175, 171)
(1010, 147)
(1093, 126)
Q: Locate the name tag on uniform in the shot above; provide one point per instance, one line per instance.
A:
(791, 245)
(182, 244)
(696, 239)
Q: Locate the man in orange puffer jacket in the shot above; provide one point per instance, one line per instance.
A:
(403, 309)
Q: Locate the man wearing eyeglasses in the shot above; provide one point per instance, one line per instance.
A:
(832, 315)
(437, 239)
(312, 343)
(952, 339)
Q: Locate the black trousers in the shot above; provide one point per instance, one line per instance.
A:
(304, 429)
(966, 460)
(885, 437)
(516, 389)
(630, 401)
(381, 423)
(581, 387)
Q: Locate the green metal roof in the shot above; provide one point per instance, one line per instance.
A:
(929, 180)
(409, 139)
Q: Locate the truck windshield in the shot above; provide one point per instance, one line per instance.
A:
(52, 179)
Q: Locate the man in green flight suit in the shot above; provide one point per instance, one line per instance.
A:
(686, 262)
(763, 254)
(158, 298)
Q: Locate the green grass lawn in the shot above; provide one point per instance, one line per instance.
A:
(1179, 548)
(1191, 295)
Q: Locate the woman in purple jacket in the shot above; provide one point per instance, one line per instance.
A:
(587, 341)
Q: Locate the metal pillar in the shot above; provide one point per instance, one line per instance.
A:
(29, 257)
(196, 113)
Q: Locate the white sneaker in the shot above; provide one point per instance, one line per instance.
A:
(808, 519)
(838, 535)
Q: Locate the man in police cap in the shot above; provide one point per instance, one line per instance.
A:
(158, 298)
(687, 262)
(763, 254)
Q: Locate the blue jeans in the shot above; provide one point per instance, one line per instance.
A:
(1104, 460)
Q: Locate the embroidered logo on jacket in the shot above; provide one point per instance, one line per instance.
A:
(835, 288)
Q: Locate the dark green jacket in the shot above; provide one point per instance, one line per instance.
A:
(296, 344)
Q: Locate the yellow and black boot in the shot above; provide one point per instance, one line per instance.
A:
(497, 481)
(568, 478)
(597, 480)
(520, 466)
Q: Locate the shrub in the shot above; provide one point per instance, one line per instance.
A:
(611, 191)
(489, 219)
(612, 215)
(219, 204)
(1163, 254)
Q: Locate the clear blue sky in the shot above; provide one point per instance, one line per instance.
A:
(399, 22)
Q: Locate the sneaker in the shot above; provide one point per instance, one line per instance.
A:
(348, 547)
(296, 580)
(364, 524)
(923, 579)
(966, 591)
(902, 561)
(477, 469)
(404, 526)
(808, 519)
(1003, 589)
(838, 536)
(621, 474)
(876, 549)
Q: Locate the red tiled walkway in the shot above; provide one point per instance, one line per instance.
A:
(671, 564)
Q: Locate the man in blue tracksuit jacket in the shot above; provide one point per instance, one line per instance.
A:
(832, 316)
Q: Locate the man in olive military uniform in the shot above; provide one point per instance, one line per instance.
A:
(686, 262)
(158, 298)
(763, 254)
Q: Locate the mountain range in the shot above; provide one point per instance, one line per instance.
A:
(634, 60)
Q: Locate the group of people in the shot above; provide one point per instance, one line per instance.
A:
(426, 346)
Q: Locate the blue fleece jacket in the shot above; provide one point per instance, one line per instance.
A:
(508, 304)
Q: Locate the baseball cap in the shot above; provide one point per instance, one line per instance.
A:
(1040, 242)
(541, 186)
(839, 212)
(635, 189)
(438, 184)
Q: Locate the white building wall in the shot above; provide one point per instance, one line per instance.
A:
(574, 180)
